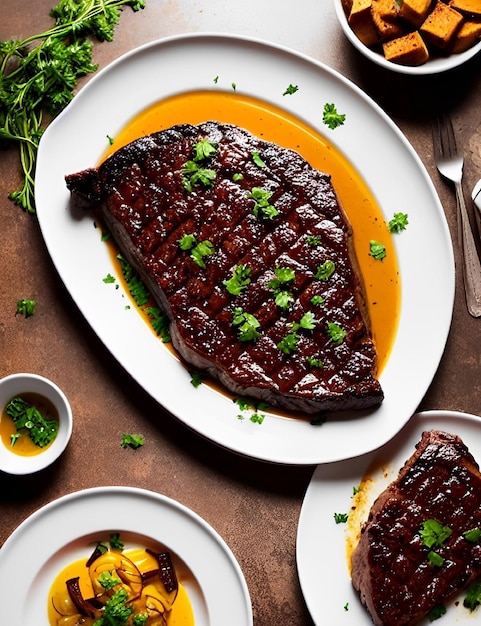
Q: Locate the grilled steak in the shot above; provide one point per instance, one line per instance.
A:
(257, 215)
(397, 578)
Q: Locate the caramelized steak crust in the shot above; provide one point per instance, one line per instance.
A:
(391, 570)
(140, 192)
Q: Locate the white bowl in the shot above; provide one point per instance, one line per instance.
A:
(433, 66)
(16, 385)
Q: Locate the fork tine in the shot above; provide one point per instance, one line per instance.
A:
(447, 137)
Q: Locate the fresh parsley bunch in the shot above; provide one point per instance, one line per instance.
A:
(38, 76)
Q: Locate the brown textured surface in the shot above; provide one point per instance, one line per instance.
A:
(254, 507)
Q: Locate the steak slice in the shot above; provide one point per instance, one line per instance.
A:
(152, 198)
(396, 580)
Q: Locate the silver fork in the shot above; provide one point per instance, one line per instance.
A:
(450, 165)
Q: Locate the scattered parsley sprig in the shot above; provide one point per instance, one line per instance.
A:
(38, 76)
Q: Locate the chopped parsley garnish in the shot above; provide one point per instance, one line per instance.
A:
(377, 250)
(331, 118)
(193, 174)
(313, 240)
(38, 76)
(256, 157)
(26, 307)
(473, 596)
(201, 250)
(247, 325)
(135, 285)
(307, 322)
(204, 149)
(340, 518)
(434, 534)
(313, 362)
(325, 270)
(237, 176)
(109, 279)
(262, 208)
(116, 611)
(239, 280)
(194, 171)
(196, 379)
(198, 250)
(437, 612)
(290, 90)
(435, 559)
(107, 581)
(290, 343)
(336, 333)
(29, 421)
(187, 242)
(115, 542)
(284, 276)
(159, 322)
(317, 300)
(398, 223)
(247, 404)
(132, 441)
(473, 535)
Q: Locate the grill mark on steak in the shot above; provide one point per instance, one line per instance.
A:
(390, 566)
(139, 194)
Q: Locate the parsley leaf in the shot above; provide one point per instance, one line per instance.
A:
(256, 157)
(290, 90)
(331, 118)
(473, 596)
(398, 223)
(434, 534)
(325, 270)
(239, 280)
(28, 420)
(336, 333)
(377, 250)
(340, 518)
(262, 208)
(132, 441)
(290, 343)
(26, 307)
(247, 325)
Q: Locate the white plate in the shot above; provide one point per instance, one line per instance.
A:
(321, 543)
(77, 139)
(65, 530)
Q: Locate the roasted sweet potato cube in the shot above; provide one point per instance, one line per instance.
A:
(409, 49)
(470, 7)
(415, 11)
(385, 15)
(468, 35)
(361, 22)
(441, 25)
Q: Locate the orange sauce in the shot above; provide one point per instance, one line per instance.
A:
(24, 446)
(381, 278)
(181, 614)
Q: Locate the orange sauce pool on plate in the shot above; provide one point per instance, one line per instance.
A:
(266, 121)
(181, 614)
(24, 446)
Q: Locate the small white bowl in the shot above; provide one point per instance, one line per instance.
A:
(16, 385)
(433, 66)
